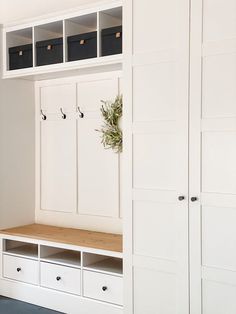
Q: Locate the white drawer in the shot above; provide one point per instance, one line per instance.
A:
(103, 287)
(21, 269)
(60, 278)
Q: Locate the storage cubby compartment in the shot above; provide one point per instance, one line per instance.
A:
(19, 49)
(110, 24)
(20, 248)
(81, 37)
(103, 264)
(60, 256)
(49, 43)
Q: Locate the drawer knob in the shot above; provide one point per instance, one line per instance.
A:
(18, 269)
(194, 199)
(58, 278)
(104, 288)
(181, 198)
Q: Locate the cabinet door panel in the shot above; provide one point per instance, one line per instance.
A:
(219, 80)
(98, 168)
(58, 96)
(154, 292)
(58, 165)
(218, 298)
(156, 90)
(212, 157)
(153, 28)
(214, 220)
(91, 93)
(218, 162)
(215, 11)
(154, 161)
(161, 89)
(98, 187)
(154, 221)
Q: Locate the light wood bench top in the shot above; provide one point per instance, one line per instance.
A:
(84, 238)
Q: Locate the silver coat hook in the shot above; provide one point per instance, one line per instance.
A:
(81, 114)
(63, 114)
(44, 117)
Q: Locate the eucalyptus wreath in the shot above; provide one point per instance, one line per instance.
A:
(111, 131)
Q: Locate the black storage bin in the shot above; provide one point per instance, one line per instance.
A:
(49, 51)
(83, 46)
(112, 41)
(20, 57)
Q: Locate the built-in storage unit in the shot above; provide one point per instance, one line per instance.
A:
(78, 263)
(68, 117)
(83, 37)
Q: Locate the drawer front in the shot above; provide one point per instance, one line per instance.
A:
(21, 269)
(103, 287)
(60, 278)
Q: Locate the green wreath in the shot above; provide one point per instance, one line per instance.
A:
(111, 131)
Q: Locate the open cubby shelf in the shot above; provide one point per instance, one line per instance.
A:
(21, 248)
(110, 265)
(60, 256)
(64, 37)
(103, 263)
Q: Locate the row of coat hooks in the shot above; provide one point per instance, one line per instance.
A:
(81, 114)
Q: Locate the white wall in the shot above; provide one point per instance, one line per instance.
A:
(16, 153)
(16, 10)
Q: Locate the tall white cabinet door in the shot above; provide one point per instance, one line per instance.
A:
(156, 156)
(212, 157)
(58, 149)
(58, 165)
(98, 168)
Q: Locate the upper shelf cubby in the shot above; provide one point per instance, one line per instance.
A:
(90, 38)
(19, 45)
(48, 43)
(110, 27)
(81, 37)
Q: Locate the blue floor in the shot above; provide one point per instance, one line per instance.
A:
(9, 306)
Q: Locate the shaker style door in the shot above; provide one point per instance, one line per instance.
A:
(212, 157)
(58, 149)
(156, 160)
(98, 167)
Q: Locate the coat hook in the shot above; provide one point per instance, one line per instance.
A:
(81, 114)
(44, 117)
(63, 114)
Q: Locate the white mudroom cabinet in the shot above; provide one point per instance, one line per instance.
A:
(150, 230)
(78, 180)
(180, 209)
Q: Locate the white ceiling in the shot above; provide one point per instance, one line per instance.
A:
(15, 10)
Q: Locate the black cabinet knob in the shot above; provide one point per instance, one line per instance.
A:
(58, 278)
(18, 269)
(193, 199)
(181, 198)
(104, 288)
